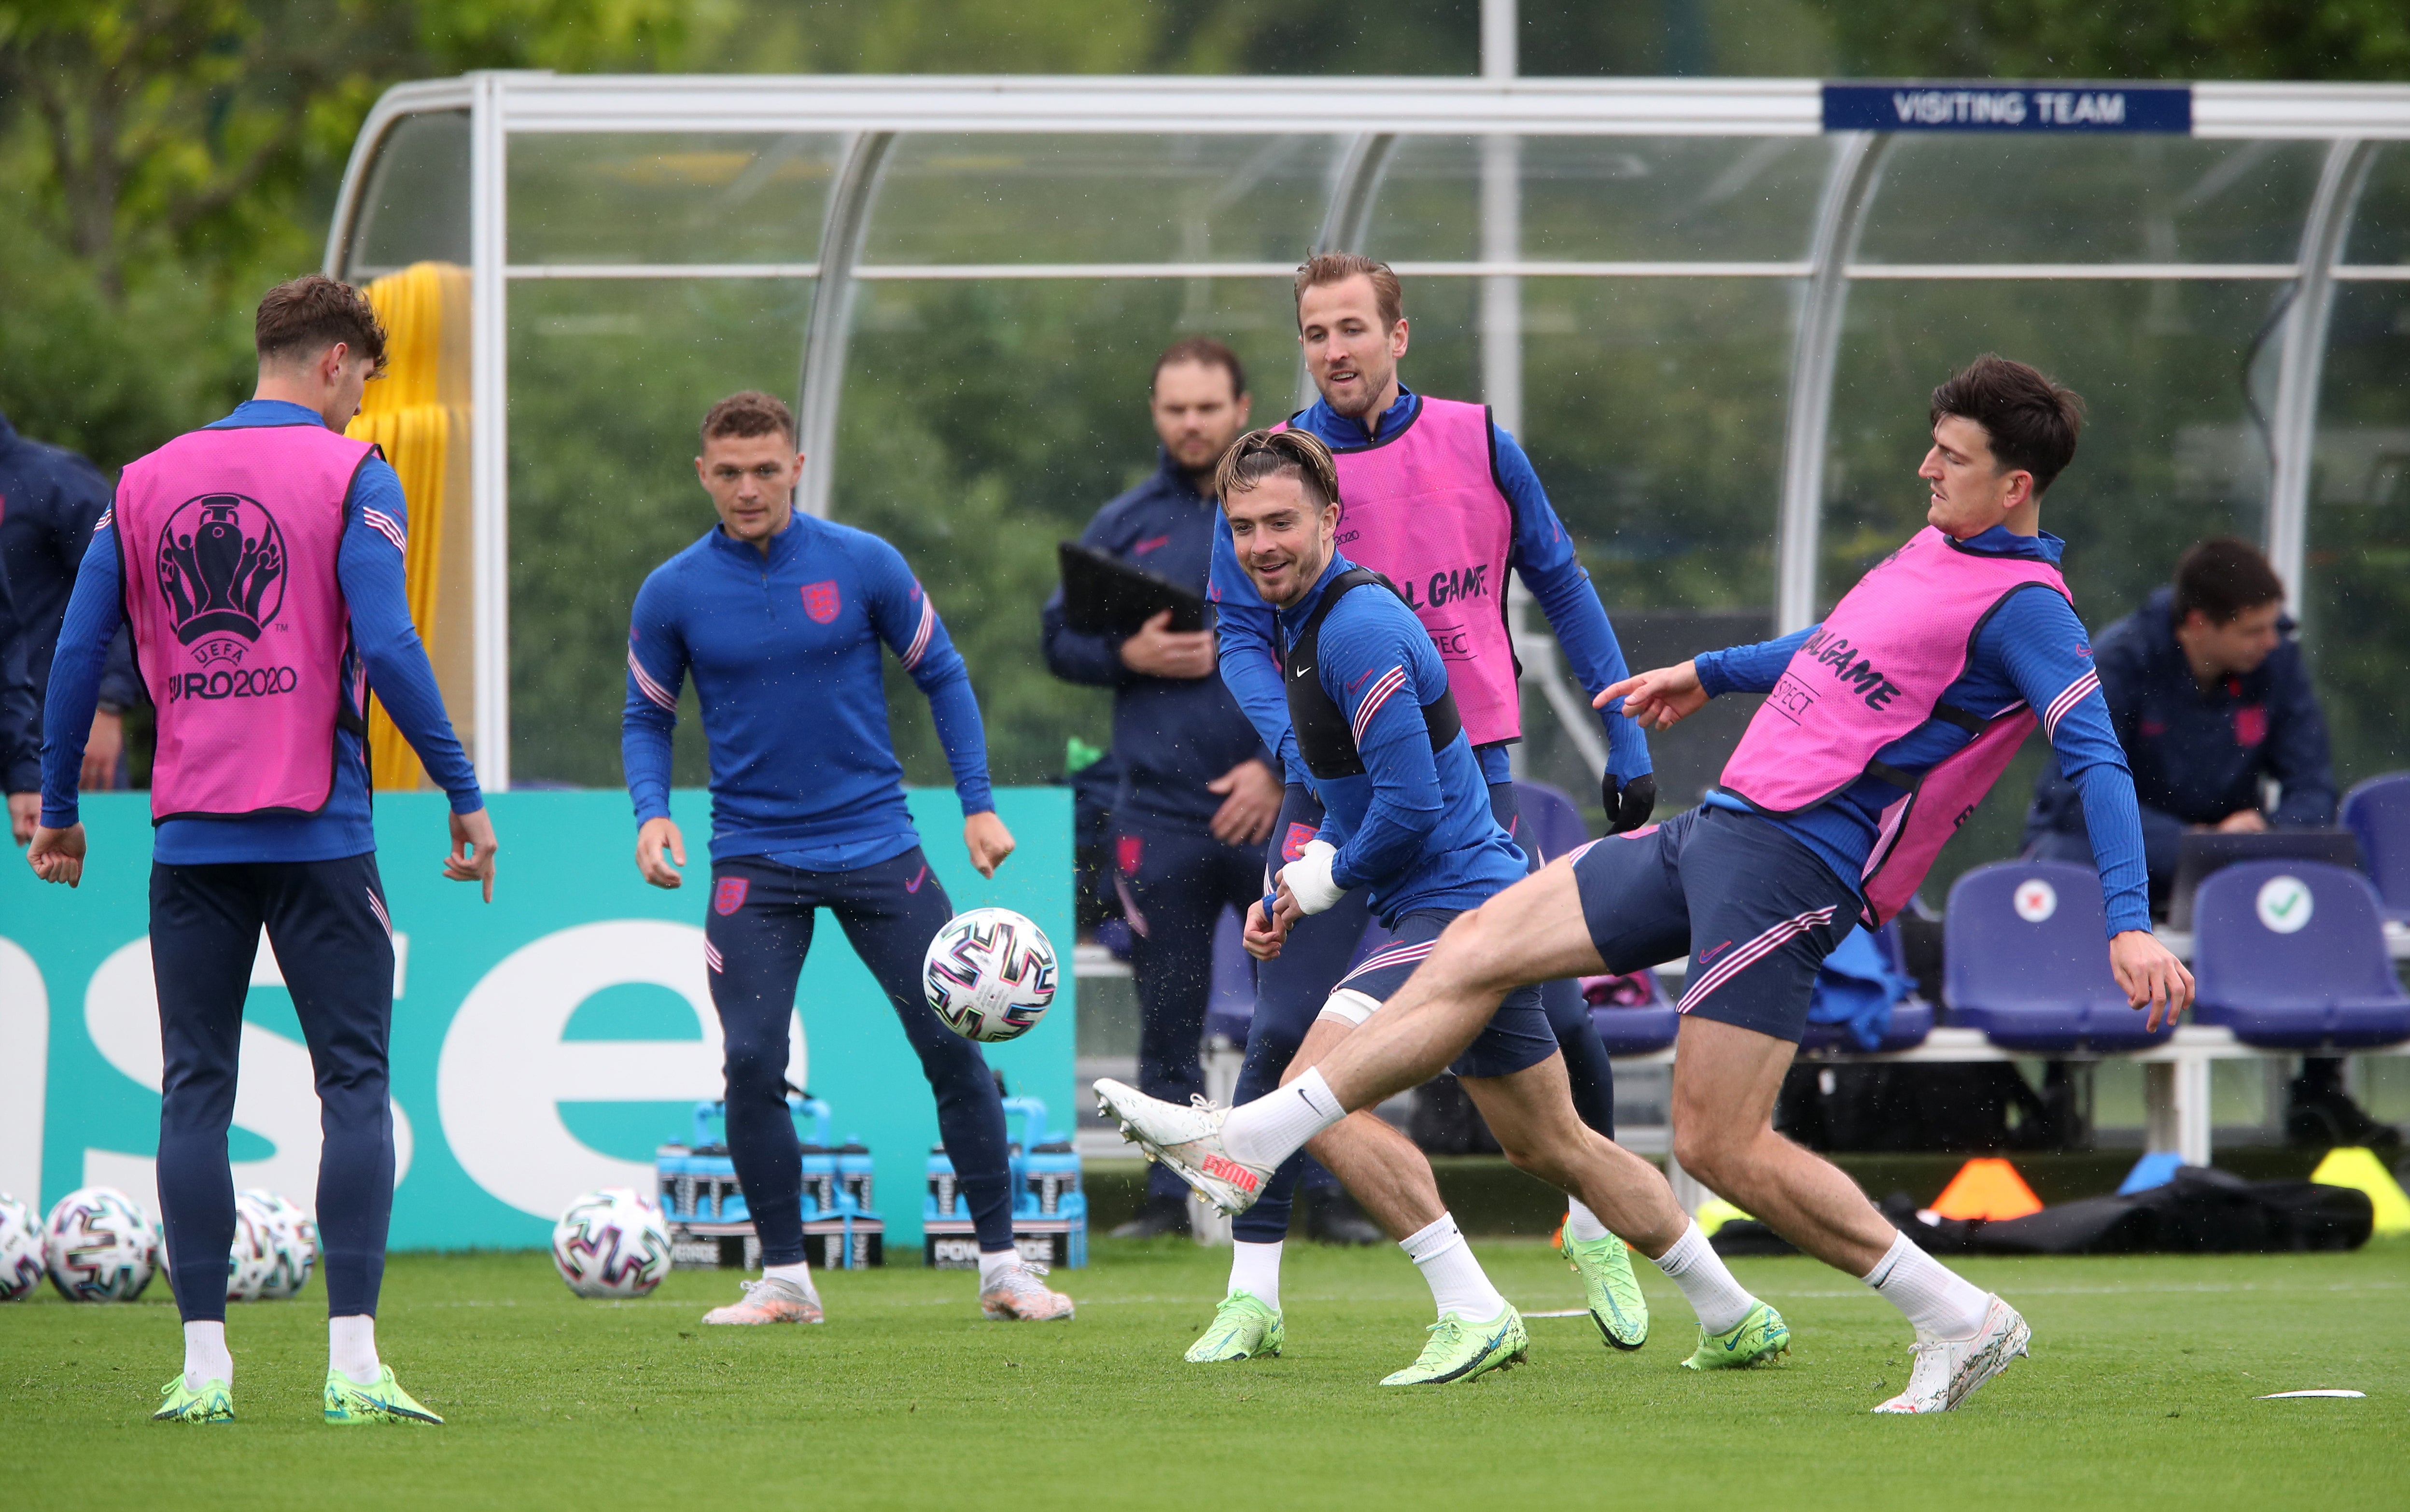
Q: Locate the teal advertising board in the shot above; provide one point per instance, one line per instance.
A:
(543, 1044)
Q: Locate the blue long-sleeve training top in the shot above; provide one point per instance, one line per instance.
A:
(2032, 650)
(1171, 736)
(370, 568)
(1416, 825)
(784, 648)
(2198, 756)
(50, 500)
(1542, 556)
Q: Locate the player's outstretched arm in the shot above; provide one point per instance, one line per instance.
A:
(658, 835)
(471, 857)
(57, 855)
(1658, 699)
(987, 841)
(2152, 976)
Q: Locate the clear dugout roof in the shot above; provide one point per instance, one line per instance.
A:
(1710, 310)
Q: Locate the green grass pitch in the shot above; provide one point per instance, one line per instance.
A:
(2140, 1393)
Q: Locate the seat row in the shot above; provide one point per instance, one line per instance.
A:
(2289, 955)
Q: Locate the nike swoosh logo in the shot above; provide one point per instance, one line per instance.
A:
(1303, 670)
(914, 885)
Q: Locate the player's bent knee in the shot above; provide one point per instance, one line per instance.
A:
(1712, 1155)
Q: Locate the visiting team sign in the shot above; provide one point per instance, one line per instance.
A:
(543, 1046)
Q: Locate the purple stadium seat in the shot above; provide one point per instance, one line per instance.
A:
(2026, 960)
(2378, 811)
(1632, 1028)
(1546, 818)
(2290, 955)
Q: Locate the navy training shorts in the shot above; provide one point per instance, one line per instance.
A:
(1518, 1036)
(1755, 911)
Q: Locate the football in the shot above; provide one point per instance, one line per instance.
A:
(275, 1245)
(20, 1250)
(101, 1245)
(990, 975)
(612, 1242)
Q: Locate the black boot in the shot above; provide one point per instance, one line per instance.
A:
(2318, 1112)
(1161, 1216)
(1333, 1218)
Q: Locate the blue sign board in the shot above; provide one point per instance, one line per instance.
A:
(1983, 107)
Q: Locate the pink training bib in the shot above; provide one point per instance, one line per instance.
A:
(227, 539)
(1874, 672)
(1424, 509)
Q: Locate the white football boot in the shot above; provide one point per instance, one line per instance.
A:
(1948, 1371)
(1019, 1296)
(1188, 1141)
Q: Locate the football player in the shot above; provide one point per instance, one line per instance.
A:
(781, 618)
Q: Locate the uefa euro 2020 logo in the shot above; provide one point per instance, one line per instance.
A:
(220, 565)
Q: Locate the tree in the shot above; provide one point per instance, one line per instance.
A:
(2295, 39)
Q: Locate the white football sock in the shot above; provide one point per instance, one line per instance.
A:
(798, 1276)
(995, 1263)
(1277, 1125)
(205, 1355)
(1935, 1297)
(1255, 1268)
(1691, 1263)
(351, 1348)
(1458, 1283)
(1581, 1223)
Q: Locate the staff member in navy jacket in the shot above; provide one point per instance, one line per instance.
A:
(2210, 701)
(21, 737)
(2209, 697)
(1198, 790)
(50, 501)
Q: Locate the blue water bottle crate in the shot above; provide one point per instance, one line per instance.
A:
(710, 1224)
(1049, 1211)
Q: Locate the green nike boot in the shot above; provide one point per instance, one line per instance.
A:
(213, 1403)
(1460, 1350)
(1242, 1327)
(1759, 1339)
(350, 1405)
(1616, 1304)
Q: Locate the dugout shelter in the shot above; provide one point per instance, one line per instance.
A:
(1710, 308)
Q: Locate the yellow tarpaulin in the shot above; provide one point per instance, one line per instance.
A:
(418, 413)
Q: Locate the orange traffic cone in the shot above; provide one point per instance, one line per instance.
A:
(1987, 1188)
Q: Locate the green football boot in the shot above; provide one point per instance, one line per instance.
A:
(1242, 1327)
(350, 1405)
(1759, 1339)
(1460, 1350)
(1616, 1304)
(213, 1403)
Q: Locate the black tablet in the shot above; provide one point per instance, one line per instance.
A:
(1103, 595)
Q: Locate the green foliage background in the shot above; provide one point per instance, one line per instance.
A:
(162, 162)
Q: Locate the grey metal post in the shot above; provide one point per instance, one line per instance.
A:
(822, 380)
(1848, 188)
(2293, 426)
(489, 440)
